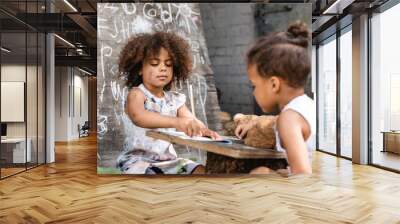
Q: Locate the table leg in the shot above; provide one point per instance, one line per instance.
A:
(384, 143)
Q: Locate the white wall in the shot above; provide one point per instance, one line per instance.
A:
(61, 103)
(67, 115)
(12, 73)
(79, 117)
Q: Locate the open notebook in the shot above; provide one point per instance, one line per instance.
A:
(224, 139)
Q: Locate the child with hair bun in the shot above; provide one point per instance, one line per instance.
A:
(278, 66)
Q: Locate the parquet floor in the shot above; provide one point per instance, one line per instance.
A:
(70, 191)
(387, 159)
(9, 171)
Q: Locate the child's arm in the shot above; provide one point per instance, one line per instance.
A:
(147, 119)
(183, 111)
(143, 118)
(292, 128)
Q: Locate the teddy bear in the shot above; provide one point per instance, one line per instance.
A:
(261, 132)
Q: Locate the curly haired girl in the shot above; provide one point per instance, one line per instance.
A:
(153, 62)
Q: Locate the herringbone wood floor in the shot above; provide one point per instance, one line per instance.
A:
(70, 191)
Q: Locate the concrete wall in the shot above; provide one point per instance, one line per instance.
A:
(229, 30)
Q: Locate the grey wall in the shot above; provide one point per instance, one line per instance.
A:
(277, 17)
(229, 29)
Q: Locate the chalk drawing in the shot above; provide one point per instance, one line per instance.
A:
(105, 51)
(129, 8)
(101, 26)
(101, 125)
(149, 12)
(141, 25)
(112, 7)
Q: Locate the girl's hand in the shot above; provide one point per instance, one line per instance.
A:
(207, 132)
(191, 126)
(242, 129)
(194, 127)
(212, 134)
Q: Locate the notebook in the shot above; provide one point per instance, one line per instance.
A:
(182, 135)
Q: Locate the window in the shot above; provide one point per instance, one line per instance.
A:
(385, 88)
(327, 95)
(22, 65)
(346, 92)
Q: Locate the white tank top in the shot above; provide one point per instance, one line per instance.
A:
(305, 106)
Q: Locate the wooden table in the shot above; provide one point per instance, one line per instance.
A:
(13, 151)
(391, 141)
(229, 158)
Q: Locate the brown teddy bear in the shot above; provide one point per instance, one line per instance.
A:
(260, 132)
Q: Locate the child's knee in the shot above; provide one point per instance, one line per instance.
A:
(260, 170)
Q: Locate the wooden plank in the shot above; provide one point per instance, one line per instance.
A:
(234, 150)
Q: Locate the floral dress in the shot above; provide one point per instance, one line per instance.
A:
(154, 156)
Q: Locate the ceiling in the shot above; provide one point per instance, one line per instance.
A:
(76, 22)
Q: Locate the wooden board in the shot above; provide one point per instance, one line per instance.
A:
(234, 150)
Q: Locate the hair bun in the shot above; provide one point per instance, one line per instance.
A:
(299, 34)
(299, 29)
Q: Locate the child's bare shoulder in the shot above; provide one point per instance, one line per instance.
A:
(135, 94)
(288, 118)
(290, 121)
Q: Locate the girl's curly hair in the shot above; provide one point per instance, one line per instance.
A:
(143, 46)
